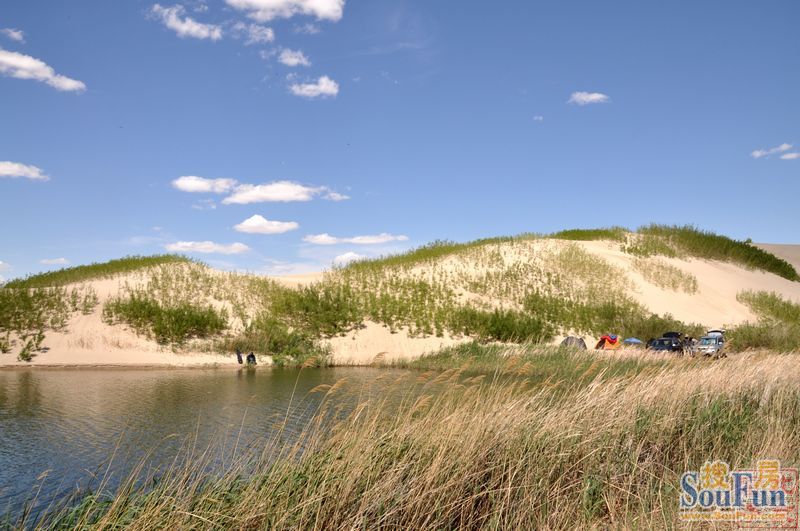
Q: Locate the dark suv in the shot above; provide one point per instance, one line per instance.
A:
(667, 344)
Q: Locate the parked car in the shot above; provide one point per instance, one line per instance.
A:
(711, 344)
(667, 344)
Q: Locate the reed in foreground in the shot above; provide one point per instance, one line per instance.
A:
(487, 452)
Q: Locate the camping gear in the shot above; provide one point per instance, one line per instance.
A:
(673, 334)
(633, 342)
(716, 332)
(574, 342)
(608, 342)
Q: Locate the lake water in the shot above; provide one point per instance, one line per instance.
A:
(60, 427)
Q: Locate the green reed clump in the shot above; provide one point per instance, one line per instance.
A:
(83, 273)
(618, 234)
(771, 306)
(703, 244)
(168, 325)
(499, 325)
(27, 314)
(322, 309)
(778, 326)
(432, 251)
(267, 335)
(620, 315)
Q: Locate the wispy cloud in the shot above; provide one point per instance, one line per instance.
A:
(538, 118)
(587, 98)
(293, 58)
(260, 225)
(327, 239)
(13, 34)
(254, 33)
(175, 19)
(346, 258)
(307, 28)
(17, 169)
(279, 192)
(195, 184)
(205, 204)
(324, 87)
(208, 247)
(23, 66)
(790, 156)
(280, 268)
(264, 10)
(760, 153)
(54, 261)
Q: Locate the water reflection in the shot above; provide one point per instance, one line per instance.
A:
(69, 422)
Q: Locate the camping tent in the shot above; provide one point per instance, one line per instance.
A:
(633, 342)
(608, 342)
(574, 342)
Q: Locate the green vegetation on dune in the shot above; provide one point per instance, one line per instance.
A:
(26, 315)
(168, 325)
(618, 234)
(511, 289)
(691, 241)
(84, 273)
(778, 326)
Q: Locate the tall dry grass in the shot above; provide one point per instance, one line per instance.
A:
(487, 451)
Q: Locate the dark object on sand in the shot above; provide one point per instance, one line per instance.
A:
(251, 359)
(239, 356)
(574, 342)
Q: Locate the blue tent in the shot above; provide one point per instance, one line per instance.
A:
(633, 341)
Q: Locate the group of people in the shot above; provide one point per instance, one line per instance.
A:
(251, 358)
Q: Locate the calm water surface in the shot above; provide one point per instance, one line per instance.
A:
(68, 423)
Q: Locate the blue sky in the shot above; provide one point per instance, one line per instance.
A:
(276, 135)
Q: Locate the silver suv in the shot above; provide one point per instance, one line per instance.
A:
(711, 344)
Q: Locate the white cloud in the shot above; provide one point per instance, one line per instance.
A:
(346, 258)
(790, 156)
(253, 33)
(263, 10)
(23, 66)
(205, 204)
(186, 26)
(279, 268)
(4, 266)
(586, 98)
(323, 87)
(335, 196)
(538, 118)
(17, 169)
(327, 239)
(13, 34)
(293, 58)
(279, 192)
(307, 28)
(207, 247)
(195, 184)
(54, 261)
(759, 153)
(260, 225)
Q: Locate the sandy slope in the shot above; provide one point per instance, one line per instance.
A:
(89, 341)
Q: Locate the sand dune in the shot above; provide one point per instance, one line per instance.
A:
(89, 341)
